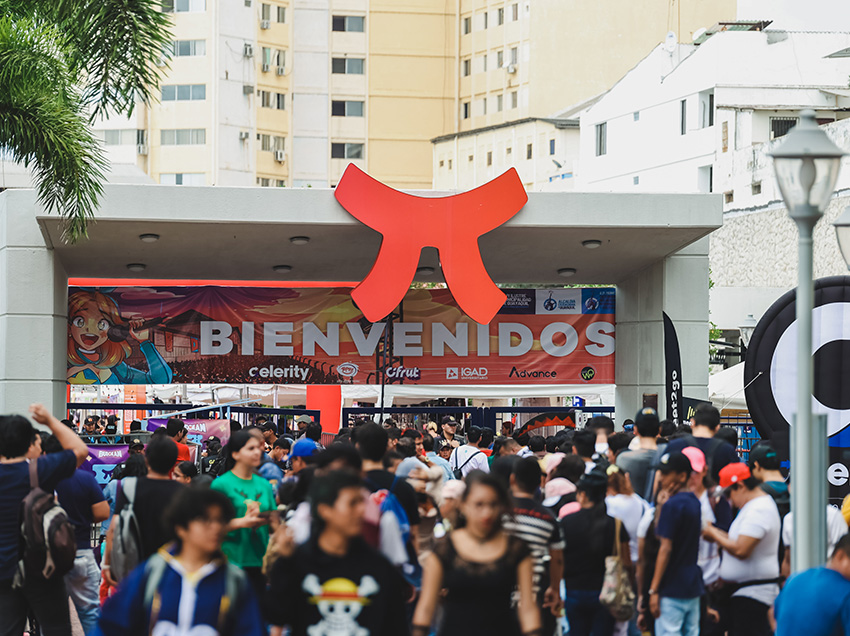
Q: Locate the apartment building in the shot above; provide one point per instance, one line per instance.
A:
(289, 93)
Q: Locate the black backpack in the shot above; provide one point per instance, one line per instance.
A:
(47, 536)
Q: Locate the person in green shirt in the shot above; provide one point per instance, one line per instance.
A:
(251, 495)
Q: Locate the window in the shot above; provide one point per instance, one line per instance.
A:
(346, 109)
(279, 57)
(119, 137)
(499, 103)
(182, 178)
(484, 106)
(466, 67)
(278, 143)
(514, 55)
(265, 99)
(514, 99)
(551, 146)
(756, 188)
(779, 126)
(280, 101)
(500, 16)
(484, 62)
(470, 158)
(601, 139)
(267, 55)
(706, 109)
(280, 183)
(188, 48)
(281, 15)
(264, 182)
(442, 163)
(450, 164)
(182, 136)
(265, 11)
(500, 59)
(635, 180)
(142, 137)
(705, 177)
(346, 151)
(348, 65)
(464, 110)
(184, 92)
(486, 19)
(729, 197)
(489, 157)
(265, 142)
(529, 151)
(348, 23)
(683, 117)
(183, 6)
(515, 12)
(636, 115)
(508, 151)
(467, 26)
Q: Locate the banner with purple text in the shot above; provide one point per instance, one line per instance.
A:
(103, 459)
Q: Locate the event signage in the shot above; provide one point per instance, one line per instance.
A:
(672, 371)
(189, 335)
(103, 459)
(199, 431)
(409, 223)
(770, 374)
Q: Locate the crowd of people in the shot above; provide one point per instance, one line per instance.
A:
(391, 531)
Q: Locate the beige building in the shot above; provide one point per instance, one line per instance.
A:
(289, 92)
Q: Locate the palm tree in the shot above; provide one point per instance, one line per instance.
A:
(64, 63)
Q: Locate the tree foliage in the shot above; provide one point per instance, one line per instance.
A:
(63, 64)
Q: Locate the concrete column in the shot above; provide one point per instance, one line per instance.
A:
(678, 285)
(33, 310)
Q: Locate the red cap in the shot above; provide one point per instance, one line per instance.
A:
(731, 474)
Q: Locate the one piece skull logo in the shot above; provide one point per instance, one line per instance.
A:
(340, 602)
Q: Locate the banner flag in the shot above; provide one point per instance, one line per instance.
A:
(193, 335)
(672, 371)
(103, 459)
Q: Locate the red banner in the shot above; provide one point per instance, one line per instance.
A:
(190, 335)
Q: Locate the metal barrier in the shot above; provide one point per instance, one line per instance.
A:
(475, 412)
(748, 436)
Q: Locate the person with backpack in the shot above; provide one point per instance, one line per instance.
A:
(705, 424)
(335, 583)
(469, 457)
(82, 499)
(640, 463)
(187, 587)
(27, 477)
(252, 498)
(136, 531)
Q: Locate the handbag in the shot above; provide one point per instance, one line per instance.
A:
(617, 594)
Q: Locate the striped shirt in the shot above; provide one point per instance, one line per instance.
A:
(535, 525)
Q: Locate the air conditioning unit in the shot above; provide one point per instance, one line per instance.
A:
(280, 155)
(511, 68)
(247, 89)
(141, 149)
(265, 68)
(281, 70)
(248, 50)
(244, 135)
(265, 24)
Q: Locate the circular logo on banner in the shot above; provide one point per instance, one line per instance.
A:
(347, 369)
(770, 370)
(588, 373)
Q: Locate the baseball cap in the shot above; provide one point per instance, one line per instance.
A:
(303, 419)
(675, 462)
(696, 457)
(448, 419)
(731, 474)
(646, 415)
(595, 479)
(267, 426)
(136, 443)
(303, 448)
(765, 455)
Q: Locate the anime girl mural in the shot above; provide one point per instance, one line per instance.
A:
(98, 343)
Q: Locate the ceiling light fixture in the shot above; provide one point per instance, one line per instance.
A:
(591, 244)
(566, 272)
(299, 240)
(425, 271)
(136, 267)
(148, 238)
(282, 269)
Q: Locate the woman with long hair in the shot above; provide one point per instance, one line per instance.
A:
(590, 535)
(251, 496)
(479, 566)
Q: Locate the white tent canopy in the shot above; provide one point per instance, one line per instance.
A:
(726, 388)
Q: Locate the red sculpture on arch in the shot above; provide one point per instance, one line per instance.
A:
(451, 224)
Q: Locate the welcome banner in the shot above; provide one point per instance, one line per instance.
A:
(191, 335)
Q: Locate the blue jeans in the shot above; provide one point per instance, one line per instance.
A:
(586, 615)
(83, 583)
(679, 617)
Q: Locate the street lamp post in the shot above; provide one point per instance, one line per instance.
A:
(806, 166)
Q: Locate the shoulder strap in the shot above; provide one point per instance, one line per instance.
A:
(33, 468)
(154, 571)
(128, 486)
(617, 525)
(469, 459)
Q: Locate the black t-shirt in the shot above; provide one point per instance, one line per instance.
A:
(587, 541)
(718, 453)
(385, 480)
(315, 592)
(152, 498)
